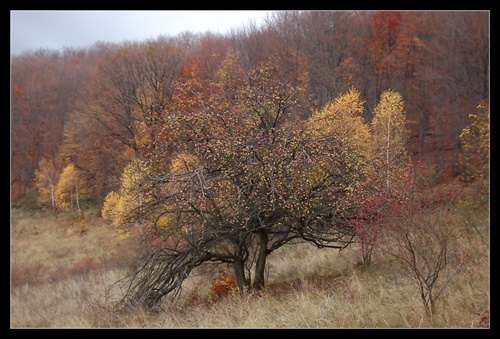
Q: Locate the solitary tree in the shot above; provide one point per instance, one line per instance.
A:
(247, 180)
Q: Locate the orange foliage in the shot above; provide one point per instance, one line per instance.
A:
(222, 284)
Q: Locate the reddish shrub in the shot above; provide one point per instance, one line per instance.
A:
(31, 275)
(83, 266)
(222, 284)
(57, 275)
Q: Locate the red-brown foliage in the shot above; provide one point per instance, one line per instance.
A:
(222, 284)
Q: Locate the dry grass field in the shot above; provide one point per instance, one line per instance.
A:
(62, 274)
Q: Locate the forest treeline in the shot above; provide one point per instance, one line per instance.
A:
(92, 111)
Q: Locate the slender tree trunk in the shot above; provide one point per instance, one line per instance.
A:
(53, 198)
(77, 202)
(422, 128)
(458, 129)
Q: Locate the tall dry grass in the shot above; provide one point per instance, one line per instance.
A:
(62, 277)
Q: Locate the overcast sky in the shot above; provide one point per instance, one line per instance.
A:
(31, 30)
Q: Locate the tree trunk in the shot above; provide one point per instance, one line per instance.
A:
(258, 283)
(52, 197)
(78, 202)
(239, 272)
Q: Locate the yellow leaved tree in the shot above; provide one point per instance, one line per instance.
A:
(476, 145)
(341, 121)
(389, 137)
(69, 190)
(343, 118)
(133, 192)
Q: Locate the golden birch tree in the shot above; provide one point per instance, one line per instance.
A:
(69, 190)
(389, 135)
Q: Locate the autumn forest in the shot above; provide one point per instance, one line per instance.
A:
(62, 103)
(314, 127)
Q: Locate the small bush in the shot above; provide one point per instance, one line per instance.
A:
(31, 275)
(83, 267)
(222, 284)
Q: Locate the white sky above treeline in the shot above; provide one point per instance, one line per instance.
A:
(32, 30)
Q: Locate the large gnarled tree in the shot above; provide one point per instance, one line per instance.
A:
(247, 180)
